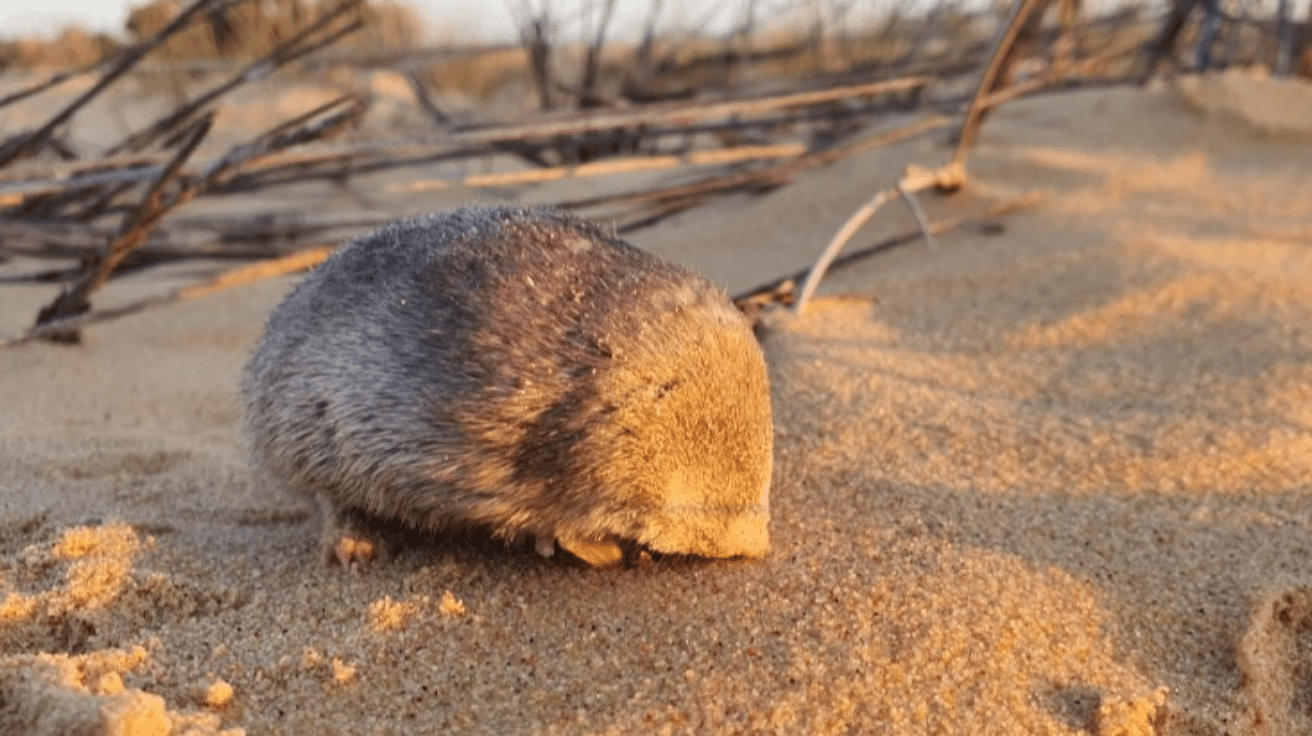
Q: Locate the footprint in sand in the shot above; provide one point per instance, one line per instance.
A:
(1275, 657)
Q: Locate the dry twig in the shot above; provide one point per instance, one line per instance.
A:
(950, 176)
(680, 113)
(947, 177)
(55, 80)
(611, 166)
(684, 195)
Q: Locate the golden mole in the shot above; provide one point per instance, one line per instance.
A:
(518, 370)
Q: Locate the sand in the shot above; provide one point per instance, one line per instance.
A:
(1051, 478)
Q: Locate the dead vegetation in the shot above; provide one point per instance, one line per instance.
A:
(744, 113)
(249, 30)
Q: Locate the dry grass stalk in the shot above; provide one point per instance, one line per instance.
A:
(1163, 45)
(424, 99)
(141, 168)
(517, 139)
(909, 198)
(682, 113)
(998, 61)
(661, 202)
(55, 239)
(310, 39)
(16, 148)
(948, 177)
(54, 81)
(239, 237)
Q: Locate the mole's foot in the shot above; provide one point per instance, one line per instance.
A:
(545, 545)
(350, 541)
(597, 553)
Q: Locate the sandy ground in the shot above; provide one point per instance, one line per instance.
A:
(1048, 480)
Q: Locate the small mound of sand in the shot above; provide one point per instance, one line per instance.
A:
(71, 579)
(1272, 106)
(83, 589)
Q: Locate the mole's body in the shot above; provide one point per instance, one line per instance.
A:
(522, 371)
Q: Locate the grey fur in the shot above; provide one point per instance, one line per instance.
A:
(520, 370)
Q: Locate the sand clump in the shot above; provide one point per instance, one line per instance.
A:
(82, 589)
(1137, 717)
(1051, 478)
(73, 595)
(83, 571)
(218, 695)
(61, 695)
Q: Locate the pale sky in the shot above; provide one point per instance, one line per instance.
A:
(482, 20)
(45, 17)
(473, 20)
(490, 20)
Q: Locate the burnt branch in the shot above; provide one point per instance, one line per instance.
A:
(136, 228)
(77, 299)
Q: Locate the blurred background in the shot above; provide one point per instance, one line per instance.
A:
(115, 116)
(63, 32)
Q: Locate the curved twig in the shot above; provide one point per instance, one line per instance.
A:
(997, 60)
(783, 290)
(916, 179)
(831, 251)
